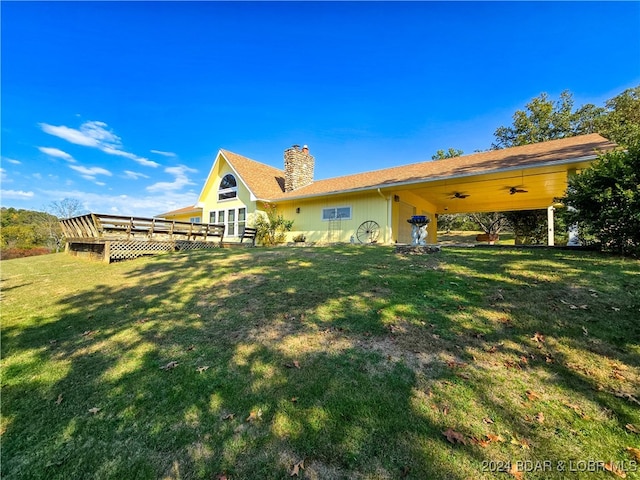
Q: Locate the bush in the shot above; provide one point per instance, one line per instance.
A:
(529, 226)
(606, 201)
(270, 227)
(10, 253)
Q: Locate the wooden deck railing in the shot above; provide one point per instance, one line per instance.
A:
(94, 226)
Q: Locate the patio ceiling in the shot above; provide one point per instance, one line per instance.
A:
(492, 191)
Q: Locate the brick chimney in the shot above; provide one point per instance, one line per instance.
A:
(298, 168)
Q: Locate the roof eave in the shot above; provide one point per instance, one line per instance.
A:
(433, 179)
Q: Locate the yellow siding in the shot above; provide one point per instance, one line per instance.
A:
(401, 228)
(182, 217)
(364, 207)
(209, 198)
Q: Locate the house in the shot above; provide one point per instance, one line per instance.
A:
(375, 205)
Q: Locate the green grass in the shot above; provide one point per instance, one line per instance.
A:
(351, 358)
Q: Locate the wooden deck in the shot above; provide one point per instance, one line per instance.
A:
(115, 237)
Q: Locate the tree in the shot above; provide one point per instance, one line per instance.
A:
(529, 226)
(271, 227)
(542, 120)
(451, 153)
(606, 200)
(56, 211)
(490, 223)
(620, 119)
(66, 208)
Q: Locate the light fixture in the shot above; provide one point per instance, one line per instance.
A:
(298, 210)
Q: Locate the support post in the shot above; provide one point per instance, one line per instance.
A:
(550, 226)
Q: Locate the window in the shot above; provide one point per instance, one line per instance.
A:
(242, 219)
(231, 224)
(336, 213)
(228, 188)
(194, 219)
(235, 220)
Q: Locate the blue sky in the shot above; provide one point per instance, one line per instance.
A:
(123, 105)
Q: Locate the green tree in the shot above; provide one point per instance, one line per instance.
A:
(620, 119)
(450, 153)
(529, 226)
(606, 199)
(271, 227)
(543, 119)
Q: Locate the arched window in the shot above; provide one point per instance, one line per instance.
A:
(228, 188)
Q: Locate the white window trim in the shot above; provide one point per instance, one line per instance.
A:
(236, 221)
(336, 210)
(228, 190)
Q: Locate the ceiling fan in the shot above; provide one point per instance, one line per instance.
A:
(514, 190)
(458, 195)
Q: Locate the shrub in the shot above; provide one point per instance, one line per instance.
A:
(605, 201)
(271, 227)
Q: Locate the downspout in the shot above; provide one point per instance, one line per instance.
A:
(388, 225)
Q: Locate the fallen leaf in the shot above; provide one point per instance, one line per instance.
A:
(531, 395)
(523, 443)
(222, 476)
(576, 409)
(585, 332)
(229, 416)
(94, 410)
(86, 333)
(515, 472)
(482, 443)
(297, 467)
(59, 400)
(294, 399)
(611, 467)
(494, 438)
(254, 415)
(538, 337)
(454, 437)
(539, 417)
(445, 411)
(487, 420)
(616, 374)
(634, 452)
(190, 347)
(632, 428)
(169, 366)
(202, 369)
(405, 471)
(615, 309)
(296, 364)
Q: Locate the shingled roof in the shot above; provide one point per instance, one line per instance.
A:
(267, 183)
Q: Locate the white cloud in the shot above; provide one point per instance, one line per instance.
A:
(91, 171)
(55, 152)
(95, 134)
(102, 184)
(134, 175)
(11, 160)
(16, 194)
(165, 154)
(143, 206)
(181, 179)
(37, 176)
(69, 134)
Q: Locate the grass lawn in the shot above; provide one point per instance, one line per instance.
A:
(351, 361)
